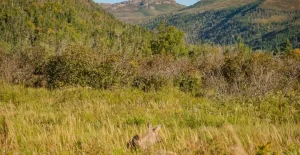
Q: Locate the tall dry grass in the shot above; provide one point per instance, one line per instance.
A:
(82, 120)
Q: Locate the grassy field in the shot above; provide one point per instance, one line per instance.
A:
(83, 120)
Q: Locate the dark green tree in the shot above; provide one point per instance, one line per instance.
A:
(169, 41)
(288, 47)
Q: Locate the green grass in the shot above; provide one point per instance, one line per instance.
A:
(83, 120)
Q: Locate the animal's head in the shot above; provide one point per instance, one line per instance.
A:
(146, 140)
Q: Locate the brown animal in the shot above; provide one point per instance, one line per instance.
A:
(146, 140)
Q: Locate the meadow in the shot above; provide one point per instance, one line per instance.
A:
(74, 80)
(88, 121)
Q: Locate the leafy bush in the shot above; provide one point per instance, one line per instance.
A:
(236, 72)
(76, 66)
(191, 84)
(169, 41)
(149, 83)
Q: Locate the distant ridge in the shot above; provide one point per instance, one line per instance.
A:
(138, 10)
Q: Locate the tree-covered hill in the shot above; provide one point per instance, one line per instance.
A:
(263, 24)
(76, 43)
(56, 24)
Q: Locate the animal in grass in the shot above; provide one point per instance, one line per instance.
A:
(146, 140)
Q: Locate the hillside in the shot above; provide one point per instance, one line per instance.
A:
(35, 37)
(263, 24)
(134, 11)
(55, 25)
(74, 43)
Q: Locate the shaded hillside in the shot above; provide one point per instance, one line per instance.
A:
(138, 10)
(263, 24)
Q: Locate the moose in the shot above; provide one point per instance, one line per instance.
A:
(147, 140)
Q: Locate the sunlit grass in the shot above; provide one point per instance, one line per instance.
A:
(83, 120)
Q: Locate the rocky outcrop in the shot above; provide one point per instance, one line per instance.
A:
(138, 9)
(138, 4)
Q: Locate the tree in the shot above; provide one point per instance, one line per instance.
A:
(242, 47)
(288, 47)
(169, 41)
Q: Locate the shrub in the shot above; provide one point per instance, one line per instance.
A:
(24, 67)
(295, 53)
(191, 84)
(236, 72)
(169, 41)
(154, 73)
(264, 73)
(76, 66)
(149, 83)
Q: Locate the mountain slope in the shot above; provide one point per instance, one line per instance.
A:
(136, 10)
(56, 24)
(263, 24)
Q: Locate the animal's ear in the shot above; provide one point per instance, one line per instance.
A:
(157, 128)
(149, 126)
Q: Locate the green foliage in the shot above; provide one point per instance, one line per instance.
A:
(191, 84)
(222, 22)
(75, 66)
(288, 47)
(169, 41)
(79, 66)
(57, 24)
(152, 82)
(242, 47)
(235, 69)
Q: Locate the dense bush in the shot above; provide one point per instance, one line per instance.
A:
(191, 84)
(169, 41)
(210, 69)
(149, 83)
(25, 67)
(80, 66)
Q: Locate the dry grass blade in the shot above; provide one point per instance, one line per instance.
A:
(238, 148)
(3, 134)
